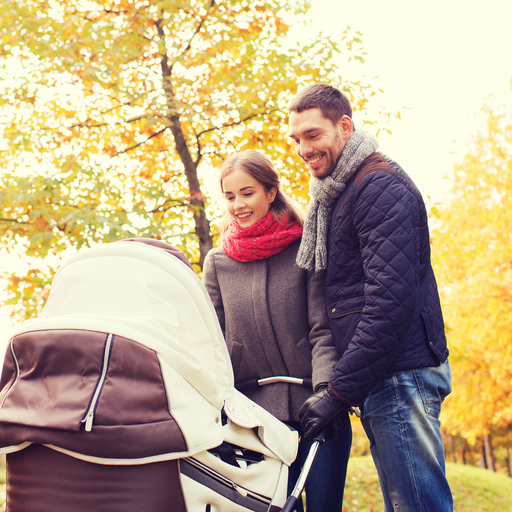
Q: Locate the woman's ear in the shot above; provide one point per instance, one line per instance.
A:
(272, 193)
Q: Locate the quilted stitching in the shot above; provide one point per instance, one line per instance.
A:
(379, 249)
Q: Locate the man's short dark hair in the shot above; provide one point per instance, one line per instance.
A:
(332, 102)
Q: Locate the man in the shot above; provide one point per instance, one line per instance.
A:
(367, 225)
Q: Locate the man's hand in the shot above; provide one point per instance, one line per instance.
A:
(323, 410)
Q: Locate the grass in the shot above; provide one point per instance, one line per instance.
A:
(473, 489)
(476, 489)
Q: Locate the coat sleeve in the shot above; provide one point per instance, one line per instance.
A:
(385, 222)
(211, 284)
(324, 355)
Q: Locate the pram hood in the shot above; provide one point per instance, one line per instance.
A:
(149, 294)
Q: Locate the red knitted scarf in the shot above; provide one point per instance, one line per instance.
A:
(263, 239)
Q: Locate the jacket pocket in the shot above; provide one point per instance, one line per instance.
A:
(434, 385)
(436, 345)
(345, 306)
(344, 315)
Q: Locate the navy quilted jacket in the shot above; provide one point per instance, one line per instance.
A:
(382, 297)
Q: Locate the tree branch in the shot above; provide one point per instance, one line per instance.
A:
(85, 124)
(235, 123)
(161, 34)
(163, 208)
(201, 23)
(222, 126)
(14, 221)
(141, 143)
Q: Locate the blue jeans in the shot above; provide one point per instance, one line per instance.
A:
(326, 480)
(401, 419)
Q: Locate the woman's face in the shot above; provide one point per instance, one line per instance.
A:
(247, 200)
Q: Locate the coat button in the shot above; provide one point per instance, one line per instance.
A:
(333, 310)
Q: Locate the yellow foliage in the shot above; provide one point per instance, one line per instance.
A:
(473, 253)
(123, 103)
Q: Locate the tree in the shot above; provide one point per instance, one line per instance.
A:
(472, 247)
(115, 109)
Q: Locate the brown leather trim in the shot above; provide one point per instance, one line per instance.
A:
(45, 480)
(341, 397)
(374, 163)
(114, 442)
(59, 371)
(134, 391)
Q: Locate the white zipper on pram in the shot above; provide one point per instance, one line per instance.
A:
(227, 482)
(90, 413)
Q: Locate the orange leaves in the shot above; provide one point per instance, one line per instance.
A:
(127, 101)
(110, 150)
(41, 224)
(31, 289)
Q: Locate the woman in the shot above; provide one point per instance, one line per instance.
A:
(273, 313)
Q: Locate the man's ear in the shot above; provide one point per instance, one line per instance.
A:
(346, 126)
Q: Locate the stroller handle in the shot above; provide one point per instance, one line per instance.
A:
(294, 497)
(255, 383)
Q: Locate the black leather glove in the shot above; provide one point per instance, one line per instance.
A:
(323, 410)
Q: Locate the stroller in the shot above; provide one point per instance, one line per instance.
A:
(120, 397)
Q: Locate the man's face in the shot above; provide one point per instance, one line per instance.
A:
(318, 141)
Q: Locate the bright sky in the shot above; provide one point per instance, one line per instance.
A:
(437, 62)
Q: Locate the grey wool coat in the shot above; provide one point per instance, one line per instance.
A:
(274, 319)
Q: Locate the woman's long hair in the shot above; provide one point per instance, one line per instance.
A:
(284, 209)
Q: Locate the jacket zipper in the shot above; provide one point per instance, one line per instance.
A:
(89, 417)
(227, 482)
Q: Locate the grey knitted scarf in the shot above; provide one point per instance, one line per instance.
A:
(324, 193)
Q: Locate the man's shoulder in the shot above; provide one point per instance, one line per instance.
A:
(376, 162)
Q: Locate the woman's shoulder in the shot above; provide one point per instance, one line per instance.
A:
(218, 258)
(213, 255)
(213, 252)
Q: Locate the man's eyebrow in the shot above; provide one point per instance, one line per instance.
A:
(305, 132)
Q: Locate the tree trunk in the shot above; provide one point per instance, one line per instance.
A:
(451, 440)
(483, 462)
(202, 224)
(489, 455)
(509, 466)
(196, 197)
